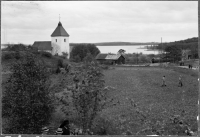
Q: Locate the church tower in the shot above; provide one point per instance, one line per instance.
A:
(60, 41)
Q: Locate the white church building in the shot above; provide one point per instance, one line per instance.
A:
(59, 42)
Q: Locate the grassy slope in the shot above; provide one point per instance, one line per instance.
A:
(143, 85)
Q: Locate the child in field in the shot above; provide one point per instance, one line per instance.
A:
(163, 84)
(180, 84)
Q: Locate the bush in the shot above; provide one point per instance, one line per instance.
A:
(27, 101)
(58, 70)
(8, 55)
(17, 55)
(60, 63)
(76, 59)
(45, 54)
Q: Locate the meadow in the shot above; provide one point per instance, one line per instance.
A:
(142, 85)
(139, 101)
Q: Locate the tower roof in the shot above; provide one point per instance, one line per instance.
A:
(59, 31)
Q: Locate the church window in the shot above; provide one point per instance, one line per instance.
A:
(56, 40)
(64, 40)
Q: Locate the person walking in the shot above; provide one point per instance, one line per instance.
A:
(180, 84)
(163, 83)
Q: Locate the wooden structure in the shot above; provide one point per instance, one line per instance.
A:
(110, 58)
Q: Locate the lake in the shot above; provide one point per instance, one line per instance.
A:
(129, 49)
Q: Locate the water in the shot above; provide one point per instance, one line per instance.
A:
(128, 49)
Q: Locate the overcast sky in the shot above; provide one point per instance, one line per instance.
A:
(99, 21)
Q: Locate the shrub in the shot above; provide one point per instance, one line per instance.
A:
(45, 54)
(60, 63)
(8, 55)
(58, 70)
(76, 59)
(17, 55)
(27, 101)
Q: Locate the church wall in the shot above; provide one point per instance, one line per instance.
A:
(60, 46)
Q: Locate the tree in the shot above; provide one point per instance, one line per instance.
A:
(121, 51)
(82, 50)
(89, 95)
(173, 52)
(144, 59)
(89, 58)
(27, 100)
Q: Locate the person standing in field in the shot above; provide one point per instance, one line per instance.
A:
(180, 84)
(163, 84)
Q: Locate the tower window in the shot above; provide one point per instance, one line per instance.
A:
(56, 40)
(64, 40)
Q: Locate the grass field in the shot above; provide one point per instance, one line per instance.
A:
(143, 85)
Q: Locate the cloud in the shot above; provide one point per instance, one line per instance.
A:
(96, 21)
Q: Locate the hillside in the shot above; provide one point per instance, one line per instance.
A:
(184, 44)
(189, 44)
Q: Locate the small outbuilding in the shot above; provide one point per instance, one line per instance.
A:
(110, 58)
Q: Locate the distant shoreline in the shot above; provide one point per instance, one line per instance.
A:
(125, 43)
(119, 43)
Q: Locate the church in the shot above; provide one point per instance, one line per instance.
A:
(59, 42)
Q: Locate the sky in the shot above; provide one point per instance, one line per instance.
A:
(99, 21)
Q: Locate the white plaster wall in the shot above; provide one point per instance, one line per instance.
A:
(60, 46)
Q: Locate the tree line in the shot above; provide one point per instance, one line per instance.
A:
(173, 50)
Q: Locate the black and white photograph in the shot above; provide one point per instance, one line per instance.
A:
(99, 68)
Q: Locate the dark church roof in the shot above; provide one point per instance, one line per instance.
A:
(42, 45)
(59, 31)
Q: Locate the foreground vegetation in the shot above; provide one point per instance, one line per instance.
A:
(27, 101)
(121, 100)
